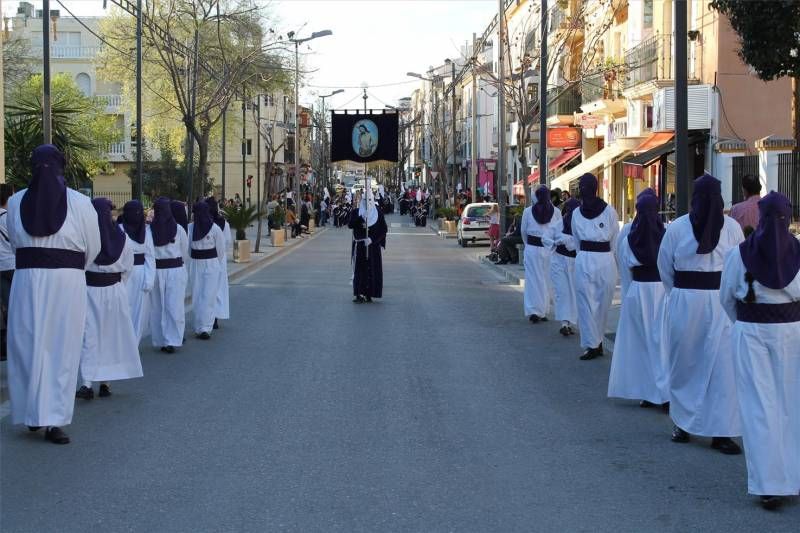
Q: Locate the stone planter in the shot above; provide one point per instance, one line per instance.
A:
(241, 251)
(449, 226)
(277, 237)
(312, 225)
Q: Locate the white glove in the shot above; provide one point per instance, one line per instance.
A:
(367, 242)
(547, 242)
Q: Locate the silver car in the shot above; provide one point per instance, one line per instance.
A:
(473, 226)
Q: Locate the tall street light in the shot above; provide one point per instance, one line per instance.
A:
(297, 43)
(325, 135)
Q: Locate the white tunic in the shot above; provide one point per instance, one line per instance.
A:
(139, 284)
(47, 316)
(110, 345)
(767, 360)
(205, 276)
(624, 273)
(562, 274)
(698, 335)
(167, 310)
(223, 305)
(640, 366)
(537, 262)
(595, 274)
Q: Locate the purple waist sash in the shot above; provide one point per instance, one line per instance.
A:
(534, 240)
(50, 258)
(693, 279)
(102, 279)
(563, 250)
(646, 274)
(785, 313)
(209, 253)
(172, 262)
(595, 246)
(138, 259)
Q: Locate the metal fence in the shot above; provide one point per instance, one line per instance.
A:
(568, 102)
(742, 165)
(789, 179)
(600, 86)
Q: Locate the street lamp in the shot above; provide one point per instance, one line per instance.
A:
(325, 135)
(297, 43)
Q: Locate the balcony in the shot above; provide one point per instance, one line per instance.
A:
(113, 102)
(119, 152)
(563, 103)
(602, 93)
(67, 52)
(650, 67)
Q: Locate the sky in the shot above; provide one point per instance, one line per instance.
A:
(374, 41)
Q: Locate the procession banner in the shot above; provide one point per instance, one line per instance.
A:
(364, 137)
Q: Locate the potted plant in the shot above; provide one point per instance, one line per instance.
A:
(277, 236)
(449, 215)
(240, 219)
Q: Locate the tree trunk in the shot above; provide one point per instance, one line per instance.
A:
(796, 110)
(202, 163)
(522, 138)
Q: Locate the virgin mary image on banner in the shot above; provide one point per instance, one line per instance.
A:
(365, 138)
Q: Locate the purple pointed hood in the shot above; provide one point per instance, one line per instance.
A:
(112, 238)
(543, 209)
(213, 209)
(706, 214)
(647, 229)
(202, 220)
(133, 221)
(569, 207)
(43, 209)
(163, 226)
(179, 214)
(591, 204)
(771, 253)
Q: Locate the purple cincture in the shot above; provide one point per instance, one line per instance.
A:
(202, 220)
(133, 221)
(771, 253)
(112, 238)
(163, 227)
(647, 229)
(706, 214)
(591, 205)
(543, 209)
(43, 209)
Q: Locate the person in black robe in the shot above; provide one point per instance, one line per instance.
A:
(421, 216)
(369, 236)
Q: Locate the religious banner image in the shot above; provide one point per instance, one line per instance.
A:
(364, 137)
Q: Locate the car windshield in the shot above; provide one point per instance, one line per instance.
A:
(479, 211)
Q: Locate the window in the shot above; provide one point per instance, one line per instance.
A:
(269, 100)
(84, 83)
(648, 117)
(247, 147)
(647, 18)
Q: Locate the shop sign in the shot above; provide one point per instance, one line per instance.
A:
(563, 137)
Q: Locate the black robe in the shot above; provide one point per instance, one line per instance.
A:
(367, 271)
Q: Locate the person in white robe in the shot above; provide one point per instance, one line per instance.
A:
(171, 250)
(140, 281)
(55, 234)
(625, 276)
(562, 271)
(760, 292)
(595, 227)
(702, 379)
(223, 311)
(207, 251)
(110, 347)
(640, 366)
(540, 222)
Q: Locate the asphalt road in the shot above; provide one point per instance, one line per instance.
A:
(440, 408)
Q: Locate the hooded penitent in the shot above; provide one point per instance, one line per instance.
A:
(43, 209)
(202, 221)
(179, 214)
(543, 209)
(569, 207)
(163, 227)
(591, 204)
(112, 238)
(771, 253)
(133, 221)
(367, 209)
(647, 229)
(213, 209)
(706, 215)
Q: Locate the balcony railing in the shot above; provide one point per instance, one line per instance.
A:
(601, 86)
(68, 52)
(112, 101)
(650, 60)
(118, 149)
(567, 103)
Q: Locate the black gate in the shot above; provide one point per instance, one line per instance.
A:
(789, 179)
(742, 166)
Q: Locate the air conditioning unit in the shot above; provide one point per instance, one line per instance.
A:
(699, 108)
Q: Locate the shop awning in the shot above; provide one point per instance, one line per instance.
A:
(651, 150)
(605, 157)
(557, 162)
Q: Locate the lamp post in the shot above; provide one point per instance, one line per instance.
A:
(297, 43)
(324, 135)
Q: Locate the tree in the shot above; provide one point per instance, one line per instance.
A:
(408, 123)
(17, 65)
(164, 176)
(80, 127)
(769, 40)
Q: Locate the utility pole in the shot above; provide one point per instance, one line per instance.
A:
(224, 148)
(473, 164)
(543, 170)
(46, 111)
(258, 156)
(139, 140)
(682, 171)
(453, 172)
(244, 142)
(501, 114)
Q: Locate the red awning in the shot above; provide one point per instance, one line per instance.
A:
(557, 162)
(648, 153)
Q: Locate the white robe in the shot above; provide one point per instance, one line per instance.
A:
(698, 335)
(110, 346)
(139, 284)
(167, 309)
(767, 360)
(537, 262)
(595, 274)
(47, 316)
(640, 366)
(562, 274)
(625, 276)
(205, 277)
(223, 306)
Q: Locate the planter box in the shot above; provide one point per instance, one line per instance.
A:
(277, 237)
(241, 251)
(312, 225)
(449, 226)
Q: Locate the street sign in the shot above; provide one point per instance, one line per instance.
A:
(587, 120)
(434, 173)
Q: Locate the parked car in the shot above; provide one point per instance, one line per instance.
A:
(473, 226)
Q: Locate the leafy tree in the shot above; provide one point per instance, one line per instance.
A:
(80, 127)
(162, 176)
(769, 39)
(17, 65)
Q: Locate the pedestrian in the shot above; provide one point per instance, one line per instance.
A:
(640, 366)
(6, 265)
(562, 271)
(595, 227)
(140, 281)
(55, 233)
(179, 213)
(702, 377)
(539, 223)
(746, 212)
(208, 263)
(507, 249)
(369, 237)
(494, 225)
(223, 311)
(110, 347)
(760, 292)
(171, 247)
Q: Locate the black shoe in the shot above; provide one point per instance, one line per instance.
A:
(725, 445)
(216, 324)
(203, 336)
(543, 318)
(56, 436)
(105, 391)
(85, 393)
(534, 319)
(368, 299)
(644, 404)
(592, 353)
(34, 428)
(679, 435)
(168, 349)
(565, 331)
(359, 300)
(771, 503)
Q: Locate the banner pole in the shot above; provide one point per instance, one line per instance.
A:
(367, 189)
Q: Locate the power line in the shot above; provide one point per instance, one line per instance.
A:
(404, 82)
